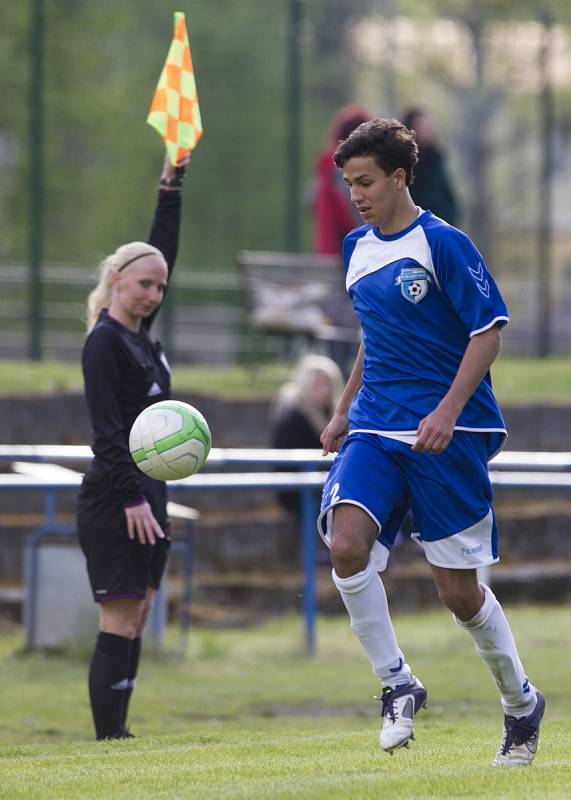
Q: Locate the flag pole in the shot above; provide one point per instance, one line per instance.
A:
(293, 155)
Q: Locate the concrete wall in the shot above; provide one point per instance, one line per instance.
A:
(62, 419)
(248, 531)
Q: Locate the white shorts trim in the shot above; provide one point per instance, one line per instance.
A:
(410, 437)
(468, 549)
(379, 553)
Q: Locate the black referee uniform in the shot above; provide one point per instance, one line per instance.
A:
(124, 372)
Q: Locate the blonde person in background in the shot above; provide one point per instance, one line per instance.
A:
(303, 407)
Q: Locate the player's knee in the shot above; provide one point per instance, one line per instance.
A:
(349, 555)
(351, 537)
(459, 602)
(449, 597)
(460, 592)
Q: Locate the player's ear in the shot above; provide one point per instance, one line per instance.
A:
(400, 178)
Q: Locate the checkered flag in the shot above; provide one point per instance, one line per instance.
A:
(174, 111)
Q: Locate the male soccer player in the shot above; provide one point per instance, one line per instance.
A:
(415, 429)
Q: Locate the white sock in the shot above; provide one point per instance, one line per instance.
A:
(495, 643)
(366, 601)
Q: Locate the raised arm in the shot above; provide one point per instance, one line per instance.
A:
(165, 227)
(166, 221)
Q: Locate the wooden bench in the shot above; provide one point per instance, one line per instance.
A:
(297, 295)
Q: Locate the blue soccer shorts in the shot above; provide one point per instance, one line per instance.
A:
(449, 494)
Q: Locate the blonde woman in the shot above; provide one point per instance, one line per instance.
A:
(122, 521)
(303, 408)
(304, 405)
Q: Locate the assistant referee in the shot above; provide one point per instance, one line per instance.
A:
(121, 515)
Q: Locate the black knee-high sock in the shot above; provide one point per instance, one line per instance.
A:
(132, 675)
(108, 683)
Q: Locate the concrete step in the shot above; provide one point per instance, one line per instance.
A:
(11, 603)
(235, 598)
(240, 598)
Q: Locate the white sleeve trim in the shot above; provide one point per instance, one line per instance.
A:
(489, 325)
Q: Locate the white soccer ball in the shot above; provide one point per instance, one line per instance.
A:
(170, 440)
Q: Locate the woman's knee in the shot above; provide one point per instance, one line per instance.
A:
(146, 611)
(142, 622)
(121, 617)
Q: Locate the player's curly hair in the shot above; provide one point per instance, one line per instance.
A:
(388, 141)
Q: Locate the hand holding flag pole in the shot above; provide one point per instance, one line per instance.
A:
(174, 110)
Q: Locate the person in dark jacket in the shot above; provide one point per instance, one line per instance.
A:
(122, 519)
(431, 189)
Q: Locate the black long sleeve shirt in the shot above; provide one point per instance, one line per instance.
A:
(125, 371)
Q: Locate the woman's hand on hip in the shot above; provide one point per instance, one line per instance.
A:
(142, 525)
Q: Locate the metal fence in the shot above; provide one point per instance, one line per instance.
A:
(521, 471)
(204, 322)
(307, 484)
(207, 319)
(270, 79)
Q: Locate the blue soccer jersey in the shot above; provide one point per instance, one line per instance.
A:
(420, 295)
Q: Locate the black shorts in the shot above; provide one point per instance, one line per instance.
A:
(119, 567)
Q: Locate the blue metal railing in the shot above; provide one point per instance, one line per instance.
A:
(306, 483)
(523, 470)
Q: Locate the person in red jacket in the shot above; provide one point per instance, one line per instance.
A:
(333, 213)
(334, 216)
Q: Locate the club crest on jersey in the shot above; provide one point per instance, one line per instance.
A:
(413, 282)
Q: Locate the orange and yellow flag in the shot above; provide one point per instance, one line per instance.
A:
(174, 111)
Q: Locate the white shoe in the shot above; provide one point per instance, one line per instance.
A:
(521, 735)
(398, 709)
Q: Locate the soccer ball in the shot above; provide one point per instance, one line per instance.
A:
(170, 440)
(415, 289)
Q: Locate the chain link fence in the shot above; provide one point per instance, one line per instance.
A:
(270, 75)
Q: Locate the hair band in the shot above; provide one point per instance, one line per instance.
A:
(141, 255)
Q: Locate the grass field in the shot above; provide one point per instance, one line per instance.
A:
(246, 715)
(517, 381)
(28, 377)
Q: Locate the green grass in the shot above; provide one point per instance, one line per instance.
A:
(516, 381)
(247, 715)
(28, 377)
(521, 381)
